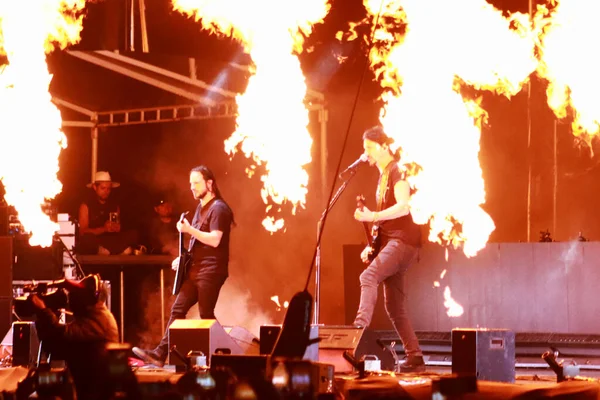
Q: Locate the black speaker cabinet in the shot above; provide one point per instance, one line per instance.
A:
(4, 211)
(25, 344)
(6, 291)
(6, 265)
(35, 262)
(358, 342)
(5, 314)
(205, 335)
(488, 354)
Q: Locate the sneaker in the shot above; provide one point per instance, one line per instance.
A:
(413, 364)
(148, 356)
(103, 251)
(127, 252)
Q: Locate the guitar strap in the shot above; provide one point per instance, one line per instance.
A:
(382, 185)
(193, 239)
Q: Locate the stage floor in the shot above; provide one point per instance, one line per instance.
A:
(420, 387)
(530, 384)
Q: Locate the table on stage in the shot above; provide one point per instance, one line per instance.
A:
(126, 262)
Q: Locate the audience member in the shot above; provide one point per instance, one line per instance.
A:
(163, 235)
(100, 221)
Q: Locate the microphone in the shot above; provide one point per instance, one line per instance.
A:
(363, 158)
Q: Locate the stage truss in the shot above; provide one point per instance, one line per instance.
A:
(203, 107)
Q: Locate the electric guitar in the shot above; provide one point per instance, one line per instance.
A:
(184, 261)
(373, 239)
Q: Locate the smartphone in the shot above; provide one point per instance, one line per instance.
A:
(114, 217)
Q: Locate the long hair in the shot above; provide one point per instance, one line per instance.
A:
(377, 134)
(208, 175)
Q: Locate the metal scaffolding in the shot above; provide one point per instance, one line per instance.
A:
(204, 107)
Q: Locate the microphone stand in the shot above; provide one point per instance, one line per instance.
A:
(76, 262)
(334, 199)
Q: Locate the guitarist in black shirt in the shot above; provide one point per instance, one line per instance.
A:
(398, 239)
(209, 249)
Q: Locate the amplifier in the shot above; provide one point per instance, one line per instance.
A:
(25, 344)
(488, 354)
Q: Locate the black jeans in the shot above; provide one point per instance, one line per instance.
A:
(201, 286)
(389, 267)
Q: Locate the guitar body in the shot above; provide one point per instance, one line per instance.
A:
(372, 234)
(375, 242)
(184, 261)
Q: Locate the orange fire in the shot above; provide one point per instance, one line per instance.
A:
(31, 125)
(453, 308)
(446, 46)
(275, 300)
(568, 63)
(272, 122)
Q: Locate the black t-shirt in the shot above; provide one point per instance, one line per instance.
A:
(403, 228)
(161, 234)
(98, 212)
(214, 216)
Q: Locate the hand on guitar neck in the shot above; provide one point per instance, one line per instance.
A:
(372, 234)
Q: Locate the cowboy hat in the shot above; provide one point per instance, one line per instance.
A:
(103, 176)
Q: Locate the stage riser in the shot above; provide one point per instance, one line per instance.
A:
(525, 344)
(524, 287)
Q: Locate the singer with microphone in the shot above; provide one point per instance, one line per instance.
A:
(399, 239)
(352, 167)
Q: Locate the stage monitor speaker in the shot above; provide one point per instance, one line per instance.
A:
(25, 344)
(4, 211)
(359, 342)
(35, 262)
(270, 333)
(6, 265)
(6, 290)
(247, 341)
(5, 313)
(488, 354)
(353, 267)
(205, 335)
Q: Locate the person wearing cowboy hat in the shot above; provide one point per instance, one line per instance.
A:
(100, 223)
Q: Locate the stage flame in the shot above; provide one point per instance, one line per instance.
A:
(568, 63)
(453, 308)
(272, 122)
(446, 46)
(31, 125)
(275, 299)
